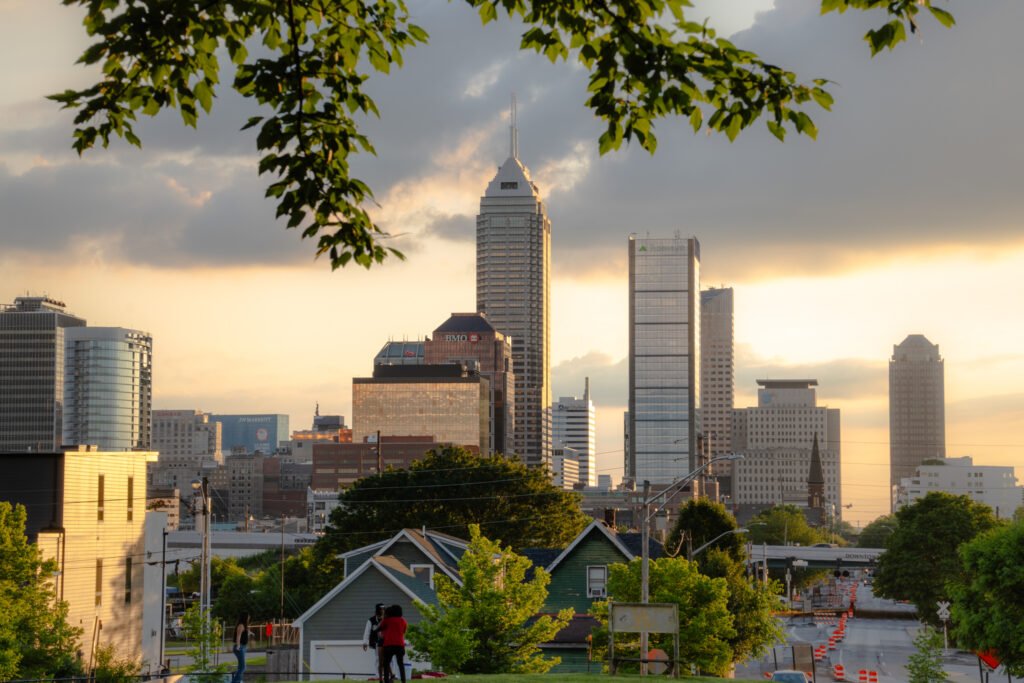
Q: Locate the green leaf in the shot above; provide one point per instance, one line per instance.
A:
(777, 130)
(488, 12)
(823, 99)
(733, 126)
(944, 17)
(696, 119)
(204, 94)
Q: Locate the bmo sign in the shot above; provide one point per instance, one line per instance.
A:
(472, 337)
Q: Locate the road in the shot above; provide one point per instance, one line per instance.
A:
(883, 644)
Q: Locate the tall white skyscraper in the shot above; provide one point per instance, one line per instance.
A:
(513, 263)
(574, 426)
(917, 407)
(108, 388)
(664, 358)
(717, 379)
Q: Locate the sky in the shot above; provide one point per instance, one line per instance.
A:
(904, 217)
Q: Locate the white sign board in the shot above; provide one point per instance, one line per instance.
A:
(943, 611)
(631, 617)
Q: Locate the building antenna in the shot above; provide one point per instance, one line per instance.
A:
(513, 130)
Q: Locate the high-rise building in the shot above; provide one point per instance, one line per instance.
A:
(565, 468)
(574, 426)
(777, 439)
(186, 434)
(448, 402)
(32, 373)
(470, 339)
(917, 408)
(664, 359)
(251, 433)
(108, 388)
(513, 263)
(717, 379)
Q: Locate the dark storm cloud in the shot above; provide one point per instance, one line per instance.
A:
(921, 149)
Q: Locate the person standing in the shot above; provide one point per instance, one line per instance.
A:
(239, 646)
(393, 638)
(371, 638)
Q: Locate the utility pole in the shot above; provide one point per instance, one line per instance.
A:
(645, 535)
(380, 455)
(282, 569)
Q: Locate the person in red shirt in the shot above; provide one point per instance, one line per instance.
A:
(392, 637)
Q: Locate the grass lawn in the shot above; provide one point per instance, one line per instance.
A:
(580, 678)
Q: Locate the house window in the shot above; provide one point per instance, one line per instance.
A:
(99, 581)
(127, 579)
(423, 572)
(99, 500)
(131, 498)
(597, 580)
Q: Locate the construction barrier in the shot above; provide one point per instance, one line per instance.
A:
(862, 676)
(872, 677)
(838, 672)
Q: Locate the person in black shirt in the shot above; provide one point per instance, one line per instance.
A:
(239, 646)
(371, 638)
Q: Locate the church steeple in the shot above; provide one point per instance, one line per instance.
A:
(816, 480)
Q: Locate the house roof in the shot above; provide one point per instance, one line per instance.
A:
(403, 575)
(596, 526)
(466, 322)
(633, 541)
(389, 568)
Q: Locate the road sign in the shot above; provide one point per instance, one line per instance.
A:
(943, 611)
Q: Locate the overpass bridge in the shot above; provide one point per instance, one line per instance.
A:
(816, 557)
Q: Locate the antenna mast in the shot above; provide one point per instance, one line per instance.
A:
(513, 130)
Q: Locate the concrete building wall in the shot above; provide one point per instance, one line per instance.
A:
(717, 378)
(994, 486)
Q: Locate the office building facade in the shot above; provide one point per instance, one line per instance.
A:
(450, 403)
(108, 388)
(990, 485)
(717, 381)
(777, 439)
(513, 264)
(470, 339)
(186, 435)
(664, 359)
(32, 373)
(251, 433)
(917, 407)
(574, 426)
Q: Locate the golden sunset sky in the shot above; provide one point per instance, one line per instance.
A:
(905, 216)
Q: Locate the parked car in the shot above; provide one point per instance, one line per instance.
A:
(790, 677)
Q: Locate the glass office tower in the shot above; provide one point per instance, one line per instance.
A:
(108, 388)
(664, 358)
(32, 373)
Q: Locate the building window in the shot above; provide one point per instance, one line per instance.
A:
(423, 572)
(99, 500)
(597, 580)
(99, 580)
(127, 579)
(131, 498)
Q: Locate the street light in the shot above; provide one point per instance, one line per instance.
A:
(645, 532)
(696, 552)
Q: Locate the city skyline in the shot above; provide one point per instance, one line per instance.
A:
(830, 260)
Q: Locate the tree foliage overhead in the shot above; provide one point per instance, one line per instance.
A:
(450, 489)
(311, 59)
(701, 521)
(487, 625)
(988, 602)
(877, 533)
(921, 555)
(36, 640)
(705, 624)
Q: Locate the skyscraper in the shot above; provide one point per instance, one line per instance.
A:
(513, 263)
(717, 379)
(574, 426)
(917, 410)
(32, 373)
(664, 358)
(108, 388)
(779, 439)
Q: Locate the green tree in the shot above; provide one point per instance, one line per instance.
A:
(109, 667)
(705, 624)
(36, 640)
(784, 525)
(921, 555)
(204, 634)
(449, 490)
(487, 624)
(925, 665)
(751, 603)
(311, 60)
(988, 600)
(701, 521)
(877, 533)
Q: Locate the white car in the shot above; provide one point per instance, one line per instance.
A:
(790, 676)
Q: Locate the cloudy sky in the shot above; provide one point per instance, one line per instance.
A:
(904, 217)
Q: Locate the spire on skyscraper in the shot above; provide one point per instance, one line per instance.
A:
(513, 130)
